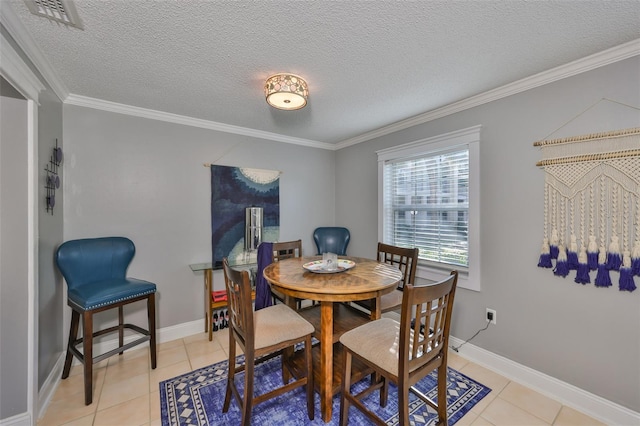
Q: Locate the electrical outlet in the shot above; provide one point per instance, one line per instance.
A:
(491, 316)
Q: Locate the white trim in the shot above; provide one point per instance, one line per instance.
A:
(180, 331)
(592, 405)
(606, 57)
(18, 73)
(23, 419)
(22, 37)
(32, 256)
(469, 137)
(50, 385)
(188, 121)
(435, 143)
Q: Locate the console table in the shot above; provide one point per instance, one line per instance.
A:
(244, 263)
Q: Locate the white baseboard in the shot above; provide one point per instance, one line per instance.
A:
(50, 385)
(166, 334)
(593, 405)
(23, 419)
(179, 331)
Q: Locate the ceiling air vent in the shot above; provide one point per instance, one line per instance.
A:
(62, 11)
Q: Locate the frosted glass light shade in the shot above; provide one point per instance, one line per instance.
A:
(286, 91)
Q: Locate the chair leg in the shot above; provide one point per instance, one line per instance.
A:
(231, 374)
(249, 365)
(346, 388)
(442, 394)
(120, 328)
(73, 334)
(151, 312)
(87, 355)
(310, 390)
(384, 391)
(403, 403)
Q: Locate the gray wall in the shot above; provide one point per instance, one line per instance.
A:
(583, 335)
(145, 179)
(51, 296)
(13, 256)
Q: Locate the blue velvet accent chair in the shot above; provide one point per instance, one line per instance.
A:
(332, 239)
(95, 272)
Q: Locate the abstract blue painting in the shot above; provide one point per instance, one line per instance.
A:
(233, 189)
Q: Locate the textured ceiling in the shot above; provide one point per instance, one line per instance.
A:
(368, 64)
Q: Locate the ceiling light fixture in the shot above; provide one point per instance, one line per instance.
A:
(286, 91)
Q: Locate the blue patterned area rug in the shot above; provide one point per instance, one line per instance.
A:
(196, 398)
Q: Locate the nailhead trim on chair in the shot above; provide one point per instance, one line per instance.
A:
(111, 302)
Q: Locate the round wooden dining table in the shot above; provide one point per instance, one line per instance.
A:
(368, 279)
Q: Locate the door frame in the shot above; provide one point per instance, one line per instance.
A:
(17, 72)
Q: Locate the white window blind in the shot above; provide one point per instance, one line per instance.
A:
(429, 198)
(427, 205)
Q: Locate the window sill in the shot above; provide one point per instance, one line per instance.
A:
(435, 275)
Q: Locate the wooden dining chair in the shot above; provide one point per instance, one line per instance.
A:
(406, 259)
(285, 250)
(259, 334)
(400, 353)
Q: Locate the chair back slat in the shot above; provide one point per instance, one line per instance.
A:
(406, 259)
(430, 306)
(238, 287)
(287, 249)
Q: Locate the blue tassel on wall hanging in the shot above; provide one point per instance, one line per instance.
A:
(626, 280)
(572, 254)
(545, 255)
(614, 259)
(626, 276)
(602, 278)
(562, 266)
(553, 245)
(635, 259)
(582, 276)
(572, 259)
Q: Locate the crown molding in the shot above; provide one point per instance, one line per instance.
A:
(17, 31)
(606, 57)
(17, 72)
(21, 36)
(189, 121)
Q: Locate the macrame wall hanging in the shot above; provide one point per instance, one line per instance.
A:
(592, 207)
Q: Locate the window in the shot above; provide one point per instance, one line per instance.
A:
(428, 198)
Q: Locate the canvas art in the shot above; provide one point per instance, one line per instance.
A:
(233, 190)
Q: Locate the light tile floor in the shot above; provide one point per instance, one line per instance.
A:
(126, 390)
